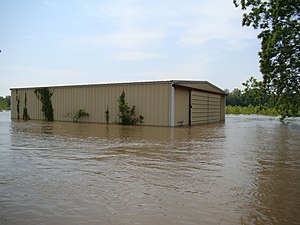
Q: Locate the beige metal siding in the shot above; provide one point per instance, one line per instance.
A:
(152, 101)
(222, 108)
(13, 104)
(199, 107)
(181, 107)
(33, 104)
(214, 109)
(206, 107)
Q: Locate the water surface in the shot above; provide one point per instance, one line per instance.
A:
(243, 171)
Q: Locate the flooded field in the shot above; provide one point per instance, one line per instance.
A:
(243, 171)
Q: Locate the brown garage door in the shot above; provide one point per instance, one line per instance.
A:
(205, 107)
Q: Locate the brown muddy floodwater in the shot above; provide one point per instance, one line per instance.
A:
(243, 171)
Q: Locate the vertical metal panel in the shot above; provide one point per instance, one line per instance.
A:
(172, 106)
(33, 104)
(214, 108)
(199, 111)
(181, 107)
(222, 108)
(13, 104)
(150, 99)
(206, 107)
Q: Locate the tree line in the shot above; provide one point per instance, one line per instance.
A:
(4, 103)
(252, 95)
(256, 99)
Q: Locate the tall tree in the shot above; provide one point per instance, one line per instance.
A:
(279, 23)
(254, 93)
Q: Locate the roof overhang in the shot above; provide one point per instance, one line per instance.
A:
(203, 86)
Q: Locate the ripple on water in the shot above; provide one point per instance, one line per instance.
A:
(245, 170)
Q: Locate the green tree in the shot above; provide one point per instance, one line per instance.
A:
(278, 21)
(7, 102)
(255, 93)
(235, 98)
(4, 103)
(127, 114)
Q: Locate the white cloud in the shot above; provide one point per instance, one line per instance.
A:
(138, 24)
(213, 20)
(130, 39)
(176, 38)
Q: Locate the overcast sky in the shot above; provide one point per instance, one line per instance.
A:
(59, 42)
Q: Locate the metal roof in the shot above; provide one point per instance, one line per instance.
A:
(190, 84)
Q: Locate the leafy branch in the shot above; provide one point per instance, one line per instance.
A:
(77, 115)
(127, 114)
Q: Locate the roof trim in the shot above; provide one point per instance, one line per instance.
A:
(178, 83)
(94, 84)
(198, 89)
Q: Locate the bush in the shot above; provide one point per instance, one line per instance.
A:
(4, 103)
(78, 114)
(107, 115)
(261, 110)
(127, 115)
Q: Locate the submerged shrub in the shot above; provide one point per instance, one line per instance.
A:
(25, 111)
(78, 114)
(127, 114)
(107, 115)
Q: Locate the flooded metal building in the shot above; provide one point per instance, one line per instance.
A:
(161, 103)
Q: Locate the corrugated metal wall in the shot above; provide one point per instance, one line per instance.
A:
(222, 107)
(181, 107)
(214, 108)
(206, 107)
(152, 101)
(33, 104)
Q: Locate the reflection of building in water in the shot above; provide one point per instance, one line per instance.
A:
(161, 103)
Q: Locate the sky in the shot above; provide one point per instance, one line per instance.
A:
(65, 42)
